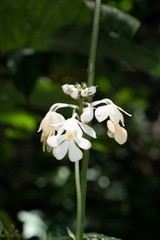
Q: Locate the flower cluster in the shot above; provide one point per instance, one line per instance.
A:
(62, 136)
(77, 91)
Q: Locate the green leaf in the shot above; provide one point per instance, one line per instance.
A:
(71, 234)
(86, 236)
(97, 236)
(22, 22)
(117, 21)
(133, 55)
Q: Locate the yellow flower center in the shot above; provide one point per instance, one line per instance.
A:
(70, 136)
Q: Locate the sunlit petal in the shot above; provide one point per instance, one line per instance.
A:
(75, 154)
(70, 124)
(52, 141)
(60, 151)
(102, 113)
(87, 115)
(111, 135)
(84, 143)
(111, 127)
(120, 135)
(88, 130)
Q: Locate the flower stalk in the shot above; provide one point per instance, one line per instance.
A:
(91, 73)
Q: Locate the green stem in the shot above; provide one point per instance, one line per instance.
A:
(79, 203)
(91, 72)
(93, 45)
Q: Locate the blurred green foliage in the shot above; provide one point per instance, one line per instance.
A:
(45, 44)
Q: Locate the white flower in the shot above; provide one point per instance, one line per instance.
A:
(47, 128)
(65, 89)
(109, 110)
(117, 132)
(77, 90)
(71, 90)
(68, 137)
(68, 142)
(88, 91)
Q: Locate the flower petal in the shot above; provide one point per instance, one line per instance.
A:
(120, 135)
(115, 115)
(111, 127)
(84, 143)
(102, 113)
(92, 90)
(75, 154)
(74, 93)
(65, 89)
(87, 115)
(53, 141)
(70, 125)
(60, 151)
(88, 130)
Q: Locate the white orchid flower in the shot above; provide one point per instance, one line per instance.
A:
(117, 132)
(68, 137)
(109, 110)
(68, 142)
(50, 119)
(47, 128)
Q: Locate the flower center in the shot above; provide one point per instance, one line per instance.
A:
(70, 136)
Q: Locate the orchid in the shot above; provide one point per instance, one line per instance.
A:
(47, 128)
(61, 135)
(68, 137)
(68, 142)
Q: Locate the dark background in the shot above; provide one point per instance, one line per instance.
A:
(43, 45)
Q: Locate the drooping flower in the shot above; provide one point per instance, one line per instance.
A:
(46, 126)
(117, 132)
(110, 110)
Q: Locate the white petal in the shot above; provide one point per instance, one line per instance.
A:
(84, 93)
(70, 124)
(115, 114)
(102, 113)
(74, 93)
(87, 115)
(111, 127)
(60, 151)
(45, 124)
(84, 143)
(52, 141)
(75, 154)
(120, 135)
(111, 135)
(88, 130)
(57, 117)
(92, 90)
(70, 86)
(56, 140)
(65, 89)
